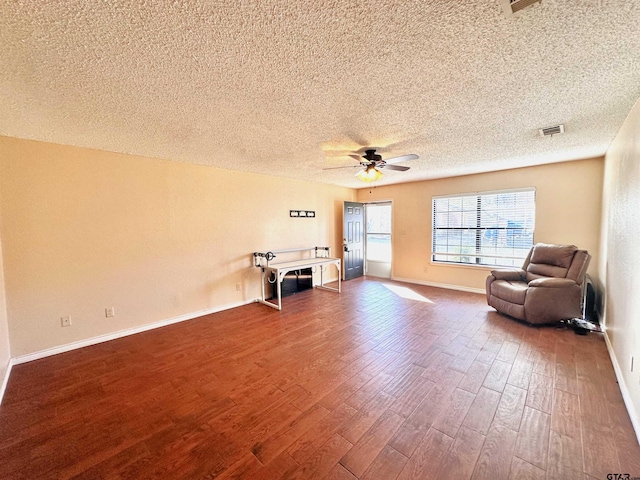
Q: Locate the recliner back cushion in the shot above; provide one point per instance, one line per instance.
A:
(550, 261)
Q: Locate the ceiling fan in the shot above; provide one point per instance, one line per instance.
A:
(372, 163)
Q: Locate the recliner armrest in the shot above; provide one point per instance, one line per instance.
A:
(551, 282)
(508, 274)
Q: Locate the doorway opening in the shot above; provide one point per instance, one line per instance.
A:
(378, 239)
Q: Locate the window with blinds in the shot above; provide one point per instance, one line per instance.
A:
(490, 228)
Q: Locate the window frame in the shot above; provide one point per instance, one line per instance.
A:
(480, 229)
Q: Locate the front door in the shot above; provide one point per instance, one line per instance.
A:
(353, 240)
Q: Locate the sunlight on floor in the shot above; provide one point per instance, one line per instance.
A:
(407, 293)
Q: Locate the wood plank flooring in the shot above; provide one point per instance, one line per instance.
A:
(384, 381)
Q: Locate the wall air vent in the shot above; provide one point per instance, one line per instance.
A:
(512, 7)
(551, 131)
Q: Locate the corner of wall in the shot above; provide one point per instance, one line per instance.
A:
(5, 346)
(5, 379)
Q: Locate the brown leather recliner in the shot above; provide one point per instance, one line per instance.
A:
(548, 287)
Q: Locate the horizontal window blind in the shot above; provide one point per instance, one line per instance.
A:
(490, 228)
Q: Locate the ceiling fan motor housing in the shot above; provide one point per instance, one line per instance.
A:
(372, 156)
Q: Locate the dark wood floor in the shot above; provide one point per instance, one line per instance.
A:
(367, 384)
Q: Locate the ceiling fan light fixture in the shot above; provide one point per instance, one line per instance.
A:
(369, 174)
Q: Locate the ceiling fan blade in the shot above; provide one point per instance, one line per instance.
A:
(400, 168)
(403, 158)
(346, 166)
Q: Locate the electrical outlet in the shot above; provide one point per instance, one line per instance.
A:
(65, 321)
(109, 312)
(238, 287)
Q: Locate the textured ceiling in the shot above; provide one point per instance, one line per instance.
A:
(289, 88)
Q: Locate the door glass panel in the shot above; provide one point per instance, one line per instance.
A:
(379, 218)
(379, 232)
(379, 247)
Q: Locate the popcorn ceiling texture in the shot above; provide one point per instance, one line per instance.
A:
(288, 88)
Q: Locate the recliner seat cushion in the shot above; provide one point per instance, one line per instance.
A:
(509, 291)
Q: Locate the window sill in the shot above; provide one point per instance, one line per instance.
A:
(467, 265)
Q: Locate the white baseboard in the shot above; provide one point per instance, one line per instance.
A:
(440, 285)
(626, 396)
(5, 380)
(122, 333)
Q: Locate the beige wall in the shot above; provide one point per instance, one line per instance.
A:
(620, 258)
(568, 207)
(83, 230)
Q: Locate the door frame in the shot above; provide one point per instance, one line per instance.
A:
(364, 272)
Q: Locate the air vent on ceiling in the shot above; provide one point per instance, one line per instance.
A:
(512, 7)
(551, 131)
